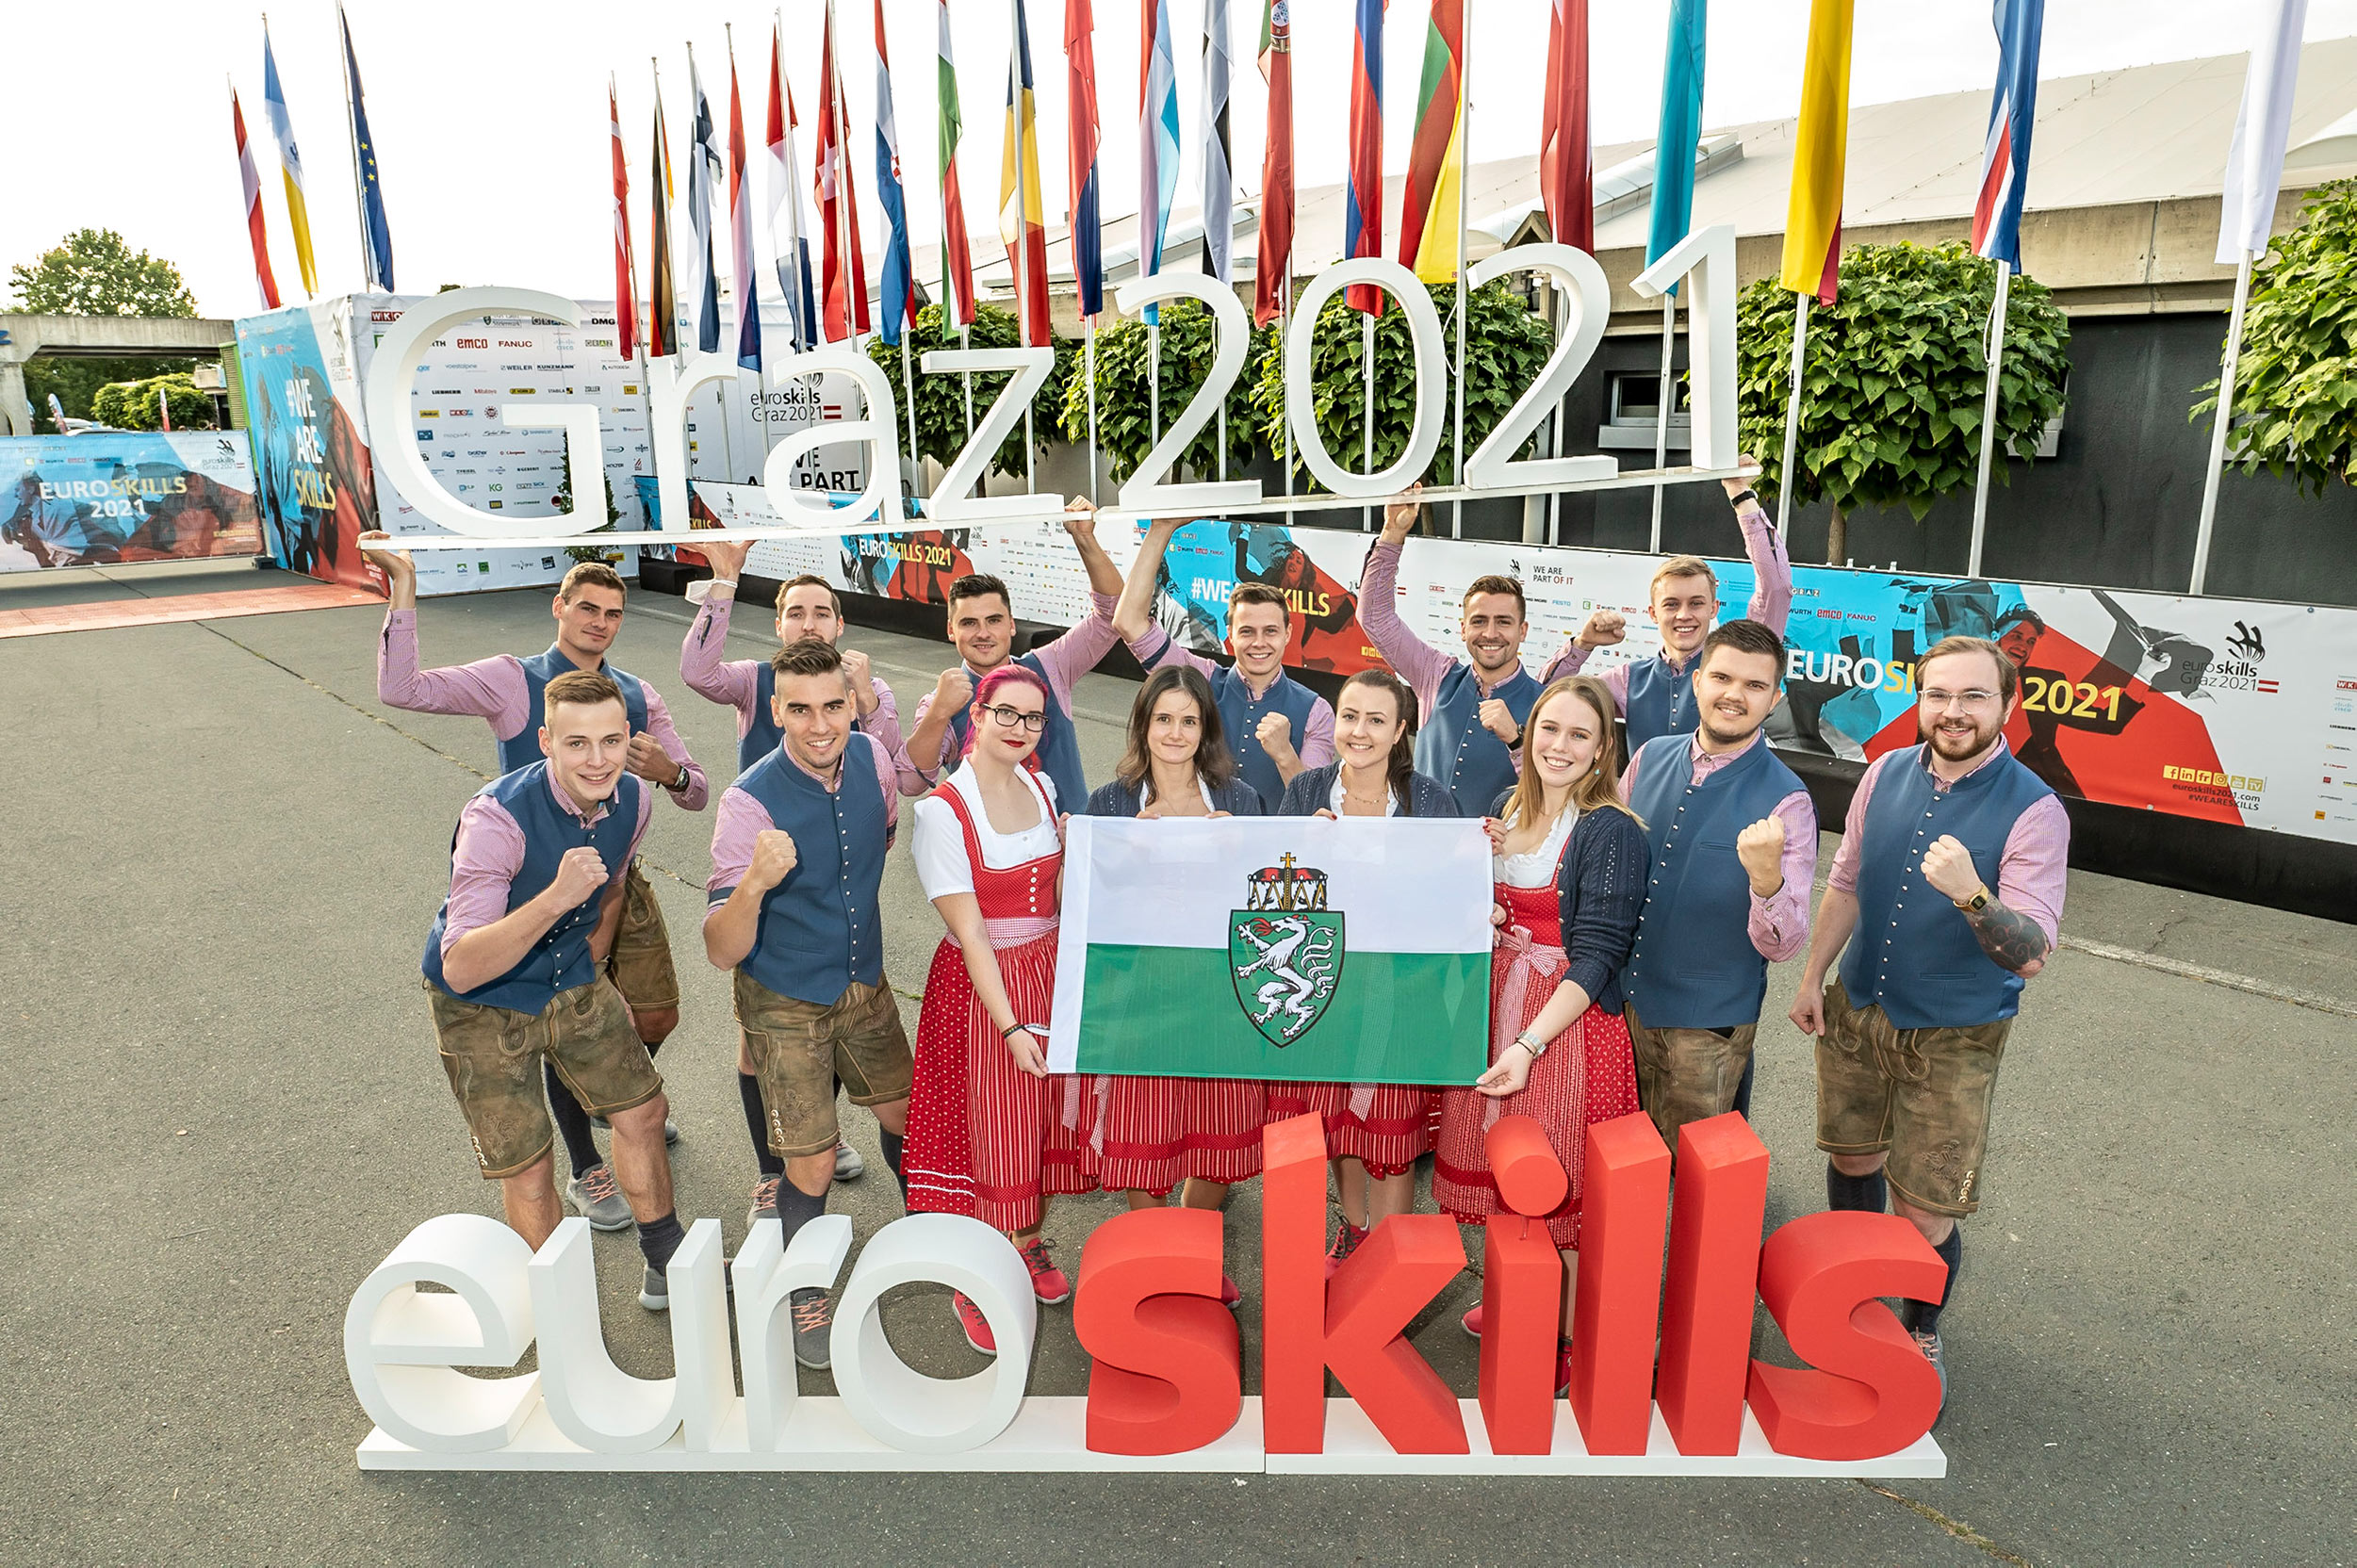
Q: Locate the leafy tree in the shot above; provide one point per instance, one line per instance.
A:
(1896, 372)
(940, 399)
(95, 273)
(1509, 343)
(1128, 375)
(132, 404)
(76, 381)
(2296, 385)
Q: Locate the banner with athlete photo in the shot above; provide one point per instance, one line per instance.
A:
(1294, 948)
(109, 497)
(310, 446)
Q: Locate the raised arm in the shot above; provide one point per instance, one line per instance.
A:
(1075, 653)
(1771, 567)
(491, 689)
(732, 683)
(750, 857)
(1414, 661)
(1132, 612)
(1837, 912)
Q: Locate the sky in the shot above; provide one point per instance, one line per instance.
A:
(493, 152)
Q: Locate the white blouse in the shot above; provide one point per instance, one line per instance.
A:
(1333, 798)
(939, 843)
(1145, 793)
(1536, 868)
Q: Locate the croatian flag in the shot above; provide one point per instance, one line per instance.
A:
(2012, 111)
(1088, 224)
(789, 214)
(898, 299)
(843, 279)
(740, 267)
(1363, 192)
(263, 278)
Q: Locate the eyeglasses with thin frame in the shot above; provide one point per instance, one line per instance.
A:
(1009, 718)
(1973, 701)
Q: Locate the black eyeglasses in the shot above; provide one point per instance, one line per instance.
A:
(1010, 717)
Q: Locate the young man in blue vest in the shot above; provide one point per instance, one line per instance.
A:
(982, 628)
(1656, 695)
(1469, 710)
(1948, 890)
(797, 863)
(505, 692)
(1276, 726)
(807, 606)
(516, 970)
(1734, 842)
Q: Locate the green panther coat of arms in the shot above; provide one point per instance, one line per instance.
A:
(1285, 951)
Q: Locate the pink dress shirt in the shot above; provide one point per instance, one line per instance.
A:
(2032, 875)
(490, 851)
(1063, 662)
(737, 682)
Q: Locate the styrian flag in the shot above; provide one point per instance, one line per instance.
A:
(1304, 948)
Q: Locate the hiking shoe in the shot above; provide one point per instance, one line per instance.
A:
(599, 1200)
(976, 1327)
(813, 1329)
(1471, 1322)
(654, 1290)
(1346, 1242)
(848, 1166)
(764, 1201)
(1048, 1283)
(1927, 1341)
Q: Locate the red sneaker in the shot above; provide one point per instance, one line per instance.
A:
(1563, 1365)
(1472, 1321)
(976, 1327)
(1230, 1296)
(1048, 1283)
(1346, 1242)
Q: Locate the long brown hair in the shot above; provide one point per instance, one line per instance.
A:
(1402, 763)
(1591, 790)
(1214, 764)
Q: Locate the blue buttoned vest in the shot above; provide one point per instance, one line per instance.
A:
(1452, 748)
(522, 749)
(820, 928)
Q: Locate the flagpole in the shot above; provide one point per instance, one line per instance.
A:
(2218, 424)
(1366, 412)
(352, 138)
(1787, 480)
(1088, 341)
(1555, 440)
(1989, 418)
(1284, 325)
(1465, 196)
(1019, 45)
(1661, 411)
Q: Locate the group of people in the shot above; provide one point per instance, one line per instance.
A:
(1637, 905)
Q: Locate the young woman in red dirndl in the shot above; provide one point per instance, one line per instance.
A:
(1570, 864)
(990, 1131)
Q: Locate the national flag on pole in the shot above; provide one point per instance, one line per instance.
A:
(625, 272)
(1022, 214)
(163, 410)
(1276, 259)
(1219, 170)
(1429, 199)
(2012, 112)
(703, 179)
(1363, 190)
(376, 235)
(289, 164)
(251, 182)
(1080, 94)
(1812, 225)
(1158, 136)
(1293, 947)
(956, 249)
(898, 300)
(742, 273)
(1680, 135)
(662, 295)
(2254, 164)
(789, 214)
(1567, 161)
(842, 278)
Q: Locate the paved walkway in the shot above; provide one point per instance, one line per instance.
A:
(225, 1110)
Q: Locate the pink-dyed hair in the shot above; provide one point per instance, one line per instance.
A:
(985, 690)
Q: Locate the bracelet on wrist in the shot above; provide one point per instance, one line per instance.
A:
(1746, 494)
(1012, 1030)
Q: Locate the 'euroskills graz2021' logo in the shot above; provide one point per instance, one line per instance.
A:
(1284, 950)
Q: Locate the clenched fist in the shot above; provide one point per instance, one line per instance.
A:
(1603, 629)
(1275, 734)
(1500, 721)
(774, 859)
(1761, 848)
(953, 691)
(727, 558)
(862, 678)
(649, 761)
(1399, 515)
(1948, 867)
(582, 873)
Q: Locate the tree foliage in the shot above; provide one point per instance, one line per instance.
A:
(1509, 343)
(940, 399)
(132, 404)
(1896, 371)
(1127, 379)
(95, 273)
(2296, 384)
(76, 381)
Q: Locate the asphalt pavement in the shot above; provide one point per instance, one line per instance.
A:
(226, 1109)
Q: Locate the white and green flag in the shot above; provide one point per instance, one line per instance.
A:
(1275, 947)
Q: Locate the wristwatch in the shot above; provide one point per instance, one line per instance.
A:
(1536, 1047)
(679, 786)
(1975, 904)
(1745, 494)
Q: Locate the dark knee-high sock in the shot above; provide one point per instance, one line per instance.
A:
(572, 1123)
(658, 1238)
(757, 1123)
(894, 1143)
(1923, 1316)
(796, 1208)
(1869, 1192)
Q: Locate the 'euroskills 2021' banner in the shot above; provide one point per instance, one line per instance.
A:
(109, 497)
(1276, 948)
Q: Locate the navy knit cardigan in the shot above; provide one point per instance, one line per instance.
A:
(1600, 889)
